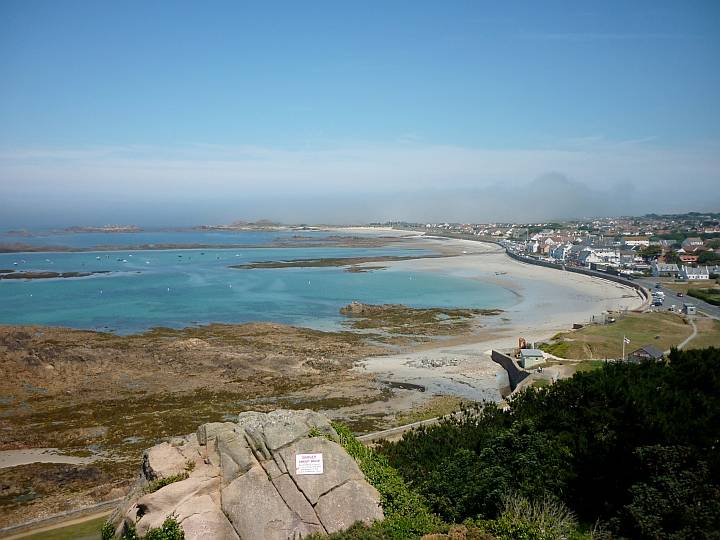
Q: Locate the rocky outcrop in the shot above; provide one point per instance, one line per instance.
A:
(244, 480)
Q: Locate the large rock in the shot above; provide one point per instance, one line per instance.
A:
(256, 509)
(353, 501)
(151, 510)
(339, 467)
(162, 461)
(239, 480)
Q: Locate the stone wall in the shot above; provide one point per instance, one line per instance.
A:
(515, 373)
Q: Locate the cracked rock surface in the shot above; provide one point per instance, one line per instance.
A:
(238, 480)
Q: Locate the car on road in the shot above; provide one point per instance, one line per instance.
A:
(680, 294)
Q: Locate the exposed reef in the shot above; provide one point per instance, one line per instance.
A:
(350, 262)
(400, 319)
(11, 274)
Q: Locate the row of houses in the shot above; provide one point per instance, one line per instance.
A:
(683, 271)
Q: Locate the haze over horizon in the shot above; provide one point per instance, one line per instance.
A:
(173, 113)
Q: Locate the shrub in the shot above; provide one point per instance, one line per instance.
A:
(711, 296)
(584, 440)
(170, 530)
(677, 499)
(153, 486)
(558, 348)
(108, 531)
(406, 514)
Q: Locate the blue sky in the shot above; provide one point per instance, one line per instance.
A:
(205, 111)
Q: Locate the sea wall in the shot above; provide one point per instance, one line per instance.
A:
(642, 291)
(515, 373)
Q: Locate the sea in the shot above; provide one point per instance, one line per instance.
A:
(177, 288)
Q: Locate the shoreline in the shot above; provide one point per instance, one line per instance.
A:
(548, 301)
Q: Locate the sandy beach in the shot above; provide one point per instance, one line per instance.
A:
(548, 301)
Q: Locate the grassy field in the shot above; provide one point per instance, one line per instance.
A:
(684, 286)
(711, 296)
(87, 530)
(663, 330)
(436, 406)
(708, 334)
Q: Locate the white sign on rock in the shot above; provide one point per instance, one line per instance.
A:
(308, 463)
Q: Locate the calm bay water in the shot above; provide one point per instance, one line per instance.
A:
(178, 288)
(90, 239)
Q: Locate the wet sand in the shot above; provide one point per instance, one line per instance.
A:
(548, 301)
(25, 456)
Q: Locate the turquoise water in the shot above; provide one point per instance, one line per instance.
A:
(178, 288)
(85, 240)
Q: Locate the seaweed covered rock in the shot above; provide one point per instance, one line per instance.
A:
(266, 476)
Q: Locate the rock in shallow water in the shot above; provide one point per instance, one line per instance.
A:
(243, 483)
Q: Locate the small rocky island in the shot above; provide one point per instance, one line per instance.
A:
(12, 274)
(267, 476)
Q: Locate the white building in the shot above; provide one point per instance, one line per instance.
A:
(530, 358)
(690, 273)
(636, 241)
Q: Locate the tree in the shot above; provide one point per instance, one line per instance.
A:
(678, 498)
(650, 252)
(708, 257)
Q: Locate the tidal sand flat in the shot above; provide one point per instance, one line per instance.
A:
(547, 301)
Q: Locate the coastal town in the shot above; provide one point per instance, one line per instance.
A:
(681, 246)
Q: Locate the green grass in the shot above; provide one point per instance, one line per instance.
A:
(711, 296)
(435, 407)
(590, 365)
(153, 486)
(559, 348)
(708, 334)
(87, 530)
(597, 341)
(406, 514)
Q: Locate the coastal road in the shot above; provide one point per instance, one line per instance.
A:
(672, 298)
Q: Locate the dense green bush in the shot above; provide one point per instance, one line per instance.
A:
(155, 485)
(711, 296)
(596, 442)
(520, 459)
(406, 514)
(542, 519)
(677, 498)
(169, 530)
